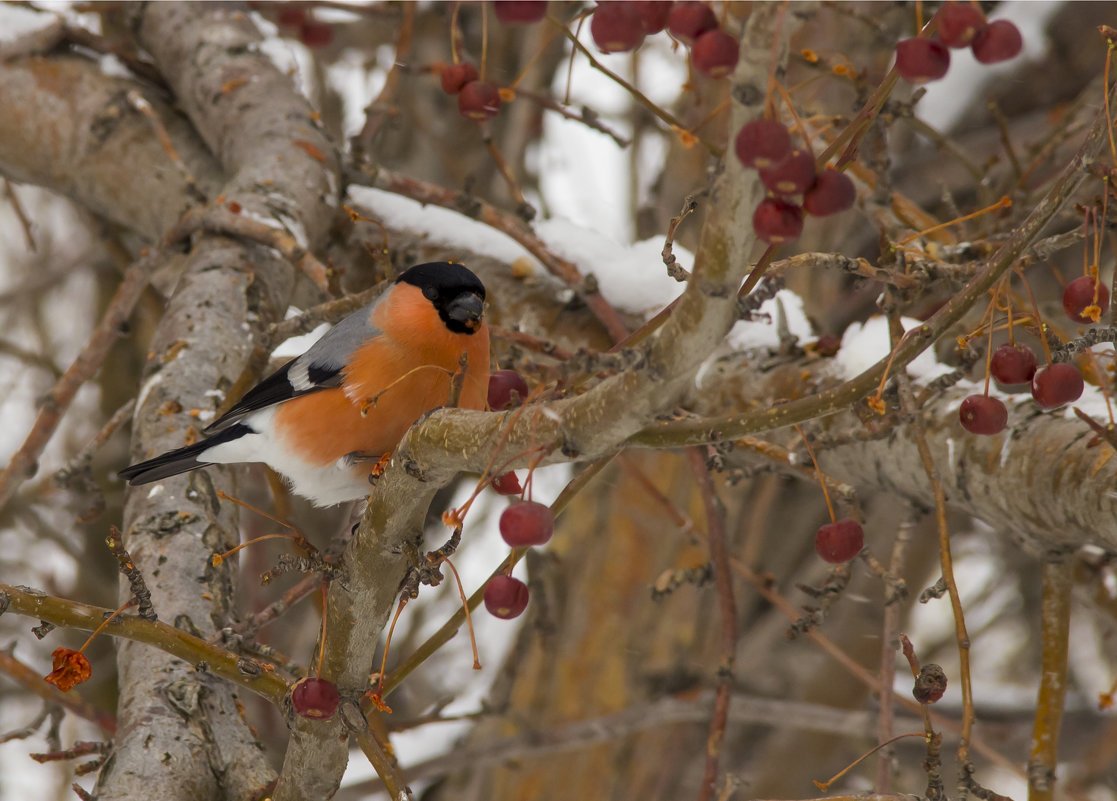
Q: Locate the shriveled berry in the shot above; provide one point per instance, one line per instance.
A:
(653, 14)
(506, 597)
(479, 100)
(981, 414)
(456, 76)
(520, 12)
(690, 19)
(715, 53)
(616, 27)
(792, 176)
(832, 192)
(1085, 299)
(828, 345)
(507, 389)
(839, 541)
(507, 484)
(1000, 40)
(930, 684)
(762, 143)
(1057, 384)
(958, 24)
(776, 220)
(1013, 364)
(921, 60)
(526, 524)
(316, 34)
(315, 698)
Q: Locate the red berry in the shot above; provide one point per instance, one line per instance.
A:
(316, 34)
(715, 53)
(616, 27)
(921, 60)
(1057, 384)
(792, 176)
(315, 698)
(527, 523)
(1080, 301)
(981, 414)
(777, 220)
(291, 15)
(690, 19)
(653, 14)
(832, 192)
(456, 76)
(1013, 364)
(762, 143)
(1000, 40)
(506, 597)
(479, 100)
(958, 24)
(839, 541)
(507, 389)
(507, 484)
(520, 12)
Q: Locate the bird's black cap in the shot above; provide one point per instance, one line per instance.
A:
(448, 286)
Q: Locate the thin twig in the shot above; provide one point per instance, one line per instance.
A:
(21, 215)
(1058, 581)
(378, 110)
(25, 462)
(717, 541)
(587, 116)
(889, 636)
(947, 564)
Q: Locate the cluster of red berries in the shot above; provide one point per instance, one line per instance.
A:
(524, 524)
(958, 25)
(310, 32)
(480, 100)
(618, 27)
(788, 172)
(1085, 299)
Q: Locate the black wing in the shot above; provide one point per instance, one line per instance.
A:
(321, 367)
(278, 387)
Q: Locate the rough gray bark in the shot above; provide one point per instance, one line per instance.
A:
(73, 131)
(283, 172)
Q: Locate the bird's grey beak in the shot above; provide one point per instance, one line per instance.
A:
(467, 309)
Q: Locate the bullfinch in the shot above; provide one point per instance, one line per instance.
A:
(324, 418)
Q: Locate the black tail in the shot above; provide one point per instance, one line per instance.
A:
(179, 461)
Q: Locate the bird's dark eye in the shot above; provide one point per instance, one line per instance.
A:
(430, 293)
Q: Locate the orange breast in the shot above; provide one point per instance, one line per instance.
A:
(395, 378)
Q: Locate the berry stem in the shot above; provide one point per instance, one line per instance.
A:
(1039, 319)
(1004, 202)
(484, 37)
(105, 622)
(1110, 44)
(639, 96)
(818, 474)
(465, 609)
(773, 64)
(806, 134)
(989, 345)
(322, 635)
(218, 558)
(825, 786)
(455, 33)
